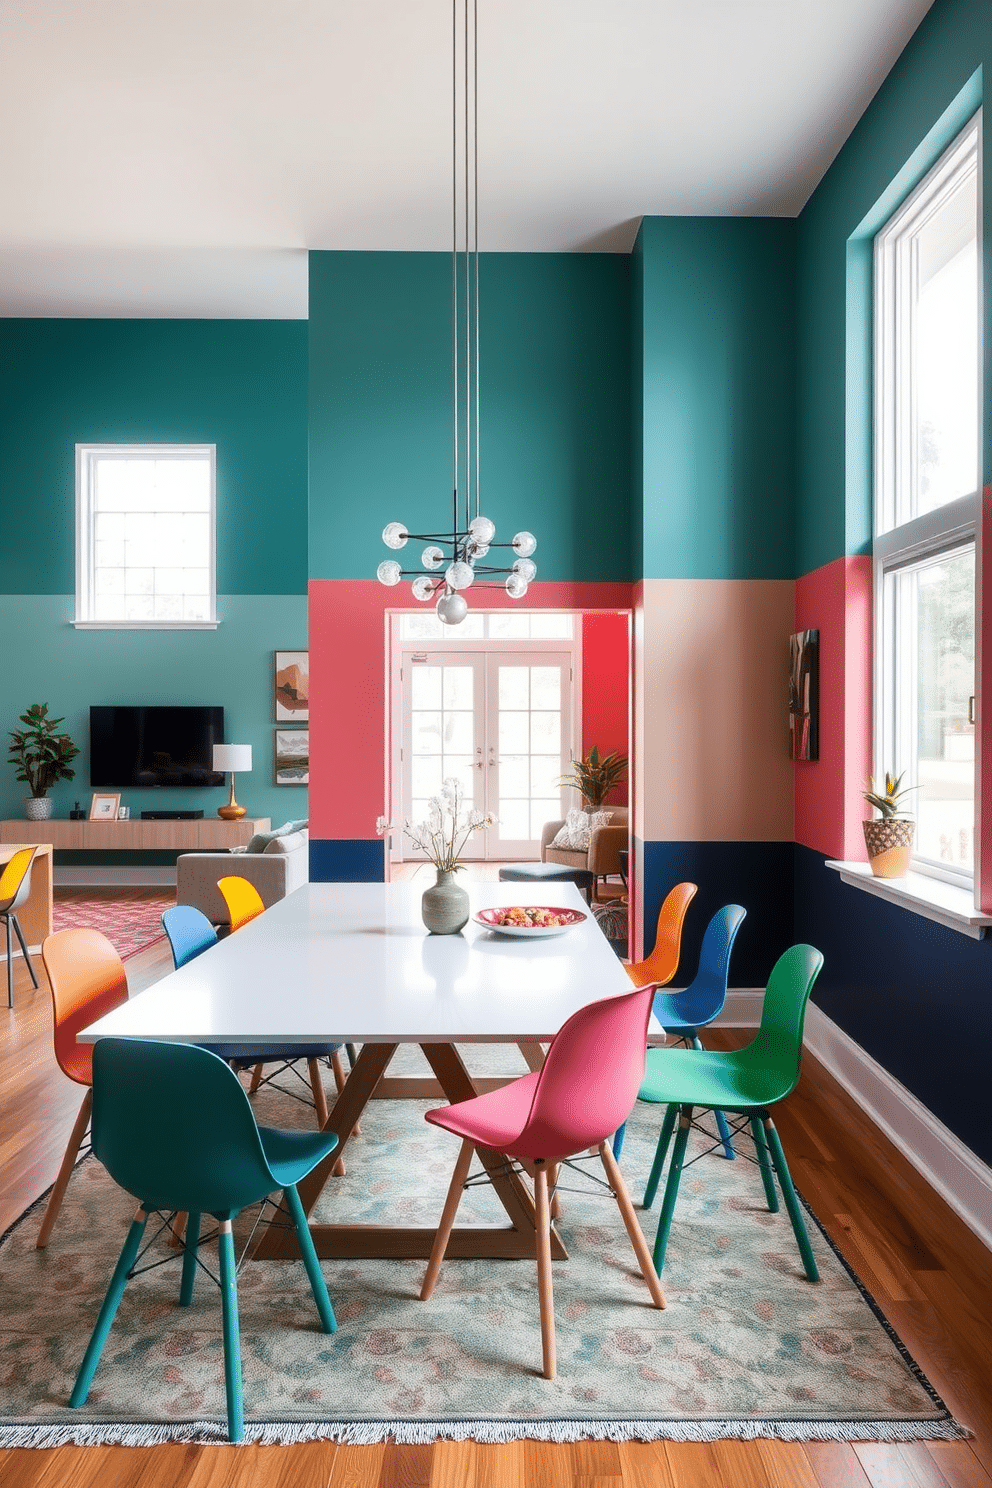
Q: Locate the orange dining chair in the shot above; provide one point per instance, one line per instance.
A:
(585, 1089)
(663, 962)
(15, 886)
(87, 979)
(244, 902)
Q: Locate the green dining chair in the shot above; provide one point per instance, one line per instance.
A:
(174, 1127)
(743, 1083)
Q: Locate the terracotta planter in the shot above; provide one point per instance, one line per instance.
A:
(889, 841)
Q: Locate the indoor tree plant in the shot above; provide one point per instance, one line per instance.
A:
(889, 837)
(43, 757)
(595, 775)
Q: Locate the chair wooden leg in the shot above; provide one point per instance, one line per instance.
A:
(545, 1290)
(637, 1240)
(256, 1079)
(65, 1172)
(447, 1218)
(317, 1086)
(339, 1079)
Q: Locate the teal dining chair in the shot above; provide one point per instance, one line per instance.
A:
(174, 1128)
(744, 1083)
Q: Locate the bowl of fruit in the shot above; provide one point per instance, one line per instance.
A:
(529, 921)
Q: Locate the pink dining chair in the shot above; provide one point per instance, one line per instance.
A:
(585, 1090)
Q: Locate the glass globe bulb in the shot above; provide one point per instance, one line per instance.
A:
(388, 572)
(451, 609)
(476, 550)
(459, 575)
(524, 544)
(526, 568)
(394, 535)
(432, 557)
(516, 587)
(423, 587)
(482, 529)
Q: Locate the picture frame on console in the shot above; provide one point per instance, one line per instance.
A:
(105, 806)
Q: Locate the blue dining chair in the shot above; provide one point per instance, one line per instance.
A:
(190, 933)
(684, 1012)
(173, 1126)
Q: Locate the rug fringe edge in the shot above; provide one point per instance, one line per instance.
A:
(495, 1433)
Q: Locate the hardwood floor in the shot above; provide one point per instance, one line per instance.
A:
(927, 1271)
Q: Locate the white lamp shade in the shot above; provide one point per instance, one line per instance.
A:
(232, 757)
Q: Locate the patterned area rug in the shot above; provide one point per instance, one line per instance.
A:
(131, 919)
(746, 1348)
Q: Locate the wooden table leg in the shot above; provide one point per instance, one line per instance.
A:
(340, 1241)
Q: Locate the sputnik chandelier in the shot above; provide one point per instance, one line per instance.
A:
(452, 561)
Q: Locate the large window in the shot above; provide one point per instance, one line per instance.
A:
(927, 476)
(145, 536)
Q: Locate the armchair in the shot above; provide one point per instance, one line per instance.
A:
(602, 858)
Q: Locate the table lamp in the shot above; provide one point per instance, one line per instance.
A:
(232, 757)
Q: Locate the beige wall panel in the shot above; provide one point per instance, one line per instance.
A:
(711, 710)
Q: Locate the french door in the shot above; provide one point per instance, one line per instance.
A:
(498, 721)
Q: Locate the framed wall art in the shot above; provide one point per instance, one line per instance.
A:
(292, 757)
(292, 686)
(804, 695)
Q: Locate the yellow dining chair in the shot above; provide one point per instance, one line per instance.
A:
(244, 902)
(15, 886)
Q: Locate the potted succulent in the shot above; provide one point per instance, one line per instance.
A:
(889, 837)
(43, 756)
(595, 775)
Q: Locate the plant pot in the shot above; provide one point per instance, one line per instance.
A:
(445, 905)
(889, 841)
(38, 808)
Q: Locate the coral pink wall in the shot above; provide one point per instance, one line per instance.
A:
(836, 600)
(606, 689)
(349, 659)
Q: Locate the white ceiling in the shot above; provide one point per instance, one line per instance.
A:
(178, 157)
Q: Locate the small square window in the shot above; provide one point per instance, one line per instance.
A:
(145, 544)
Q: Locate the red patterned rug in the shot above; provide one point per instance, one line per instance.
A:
(130, 919)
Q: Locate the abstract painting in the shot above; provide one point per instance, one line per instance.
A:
(804, 695)
(292, 686)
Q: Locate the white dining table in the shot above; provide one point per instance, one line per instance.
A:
(352, 962)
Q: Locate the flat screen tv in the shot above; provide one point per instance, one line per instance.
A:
(137, 746)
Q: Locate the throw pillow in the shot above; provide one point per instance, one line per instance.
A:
(261, 840)
(575, 834)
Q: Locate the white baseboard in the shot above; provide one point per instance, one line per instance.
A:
(140, 876)
(952, 1169)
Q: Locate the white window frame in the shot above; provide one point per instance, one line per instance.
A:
(86, 455)
(948, 529)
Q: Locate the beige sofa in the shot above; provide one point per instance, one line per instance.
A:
(282, 866)
(605, 844)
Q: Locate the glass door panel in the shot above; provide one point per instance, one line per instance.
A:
(443, 726)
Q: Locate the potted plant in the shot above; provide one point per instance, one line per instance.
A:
(889, 837)
(595, 776)
(43, 756)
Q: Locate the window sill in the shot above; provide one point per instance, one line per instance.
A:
(946, 903)
(145, 624)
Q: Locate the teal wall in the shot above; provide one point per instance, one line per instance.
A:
(555, 379)
(716, 434)
(238, 384)
(927, 97)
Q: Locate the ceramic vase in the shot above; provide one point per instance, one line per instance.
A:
(444, 906)
(38, 808)
(889, 841)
